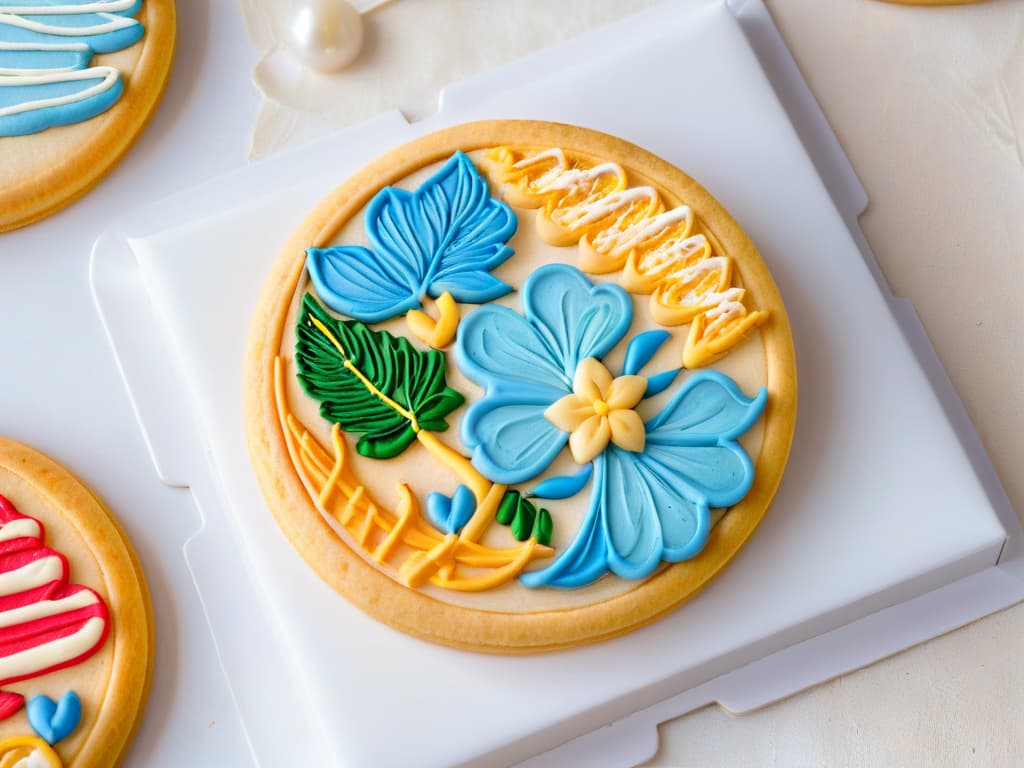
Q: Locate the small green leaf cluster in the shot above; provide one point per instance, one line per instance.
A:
(518, 512)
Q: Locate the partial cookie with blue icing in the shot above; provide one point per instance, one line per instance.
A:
(78, 81)
(76, 629)
(518, 386)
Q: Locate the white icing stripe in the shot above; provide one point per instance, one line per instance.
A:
(109, 77)
(681, 251)
(54, 652)
(113, 24)
(26, 527)
(555, 153)
(691, 273)
(591, 211)
(35, 759)
(45, 608)
(99, 6)
(642, 231)
(34, 574)
(573, 178)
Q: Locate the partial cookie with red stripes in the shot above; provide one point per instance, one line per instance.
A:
(76, 629)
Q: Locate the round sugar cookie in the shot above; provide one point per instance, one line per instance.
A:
(76, 627)
(79, 79)
(518, 386)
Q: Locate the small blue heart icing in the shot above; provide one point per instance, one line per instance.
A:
(450, 514)
(53, 720)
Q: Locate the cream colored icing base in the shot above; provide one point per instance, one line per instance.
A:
(745, 364)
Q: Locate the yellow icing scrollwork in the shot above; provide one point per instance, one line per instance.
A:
(451, 561)
(622, 228)
(28, 752)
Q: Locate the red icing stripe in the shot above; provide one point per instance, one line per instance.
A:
(28, 635)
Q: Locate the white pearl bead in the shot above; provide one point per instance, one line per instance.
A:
(325, 34)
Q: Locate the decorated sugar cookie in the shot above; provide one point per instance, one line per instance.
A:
(78, 80)
(75, 623)
(519, 386)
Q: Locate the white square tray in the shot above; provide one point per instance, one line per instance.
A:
(887, 529)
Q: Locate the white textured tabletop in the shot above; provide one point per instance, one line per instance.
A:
(929, 105)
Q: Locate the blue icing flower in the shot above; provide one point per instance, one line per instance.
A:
(653, 485)
(446, 236)
(526, 363)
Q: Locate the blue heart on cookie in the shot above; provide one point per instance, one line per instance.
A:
(53, 720)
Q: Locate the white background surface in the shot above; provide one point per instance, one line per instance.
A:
(926, 103)
(929, 105)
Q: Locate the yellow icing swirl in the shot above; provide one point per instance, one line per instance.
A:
(28, 752)
(623, 228)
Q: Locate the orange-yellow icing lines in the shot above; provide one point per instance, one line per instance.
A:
(628, 229)
(455, 562)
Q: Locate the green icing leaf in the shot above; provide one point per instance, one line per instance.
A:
(522, 524)
(517, 511)
(507, 508)
(543, 528)
(370, 382)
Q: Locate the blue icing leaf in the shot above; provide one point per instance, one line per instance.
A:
(472, 287)
(660, 382)
(563, 487)
(446, 236)
(351, 280)
(642, 348)
(450, 514)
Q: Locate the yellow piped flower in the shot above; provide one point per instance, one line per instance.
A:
(599, 410)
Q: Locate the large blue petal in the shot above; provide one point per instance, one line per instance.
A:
(637, 518)
(585, 559)
(708, 409)
(720, 474)
(500, 350)
(575, 318)
(510, 438)
(351, 280)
